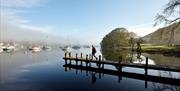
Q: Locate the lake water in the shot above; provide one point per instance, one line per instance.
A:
(44, 71)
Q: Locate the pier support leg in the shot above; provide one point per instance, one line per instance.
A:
(81, 55)
(120, 66)
(102, 66)
(76, 71)
(65, 55)
(69, 54)
(119, 78)
(146, 66)
(76, 62)
(99, 75)
(65, 62)
(65, 69)
(70, 62)
(86, 60)
(146, 72)
(81, 58)
(76, 59)
(99, 57)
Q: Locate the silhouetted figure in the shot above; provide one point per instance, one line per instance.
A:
(93, 52)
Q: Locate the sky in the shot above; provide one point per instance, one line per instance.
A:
(75, 21)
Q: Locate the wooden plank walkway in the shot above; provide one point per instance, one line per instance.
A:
(119, 63)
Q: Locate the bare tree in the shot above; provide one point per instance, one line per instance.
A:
(170, 15)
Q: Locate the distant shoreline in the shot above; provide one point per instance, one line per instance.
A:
(158, 49)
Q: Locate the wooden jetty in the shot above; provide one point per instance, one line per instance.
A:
(118, 64)
(79, 60)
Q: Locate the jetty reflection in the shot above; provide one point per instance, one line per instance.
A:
(99, 72)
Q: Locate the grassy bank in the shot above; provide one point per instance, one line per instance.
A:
(161, 49)
(148, 48)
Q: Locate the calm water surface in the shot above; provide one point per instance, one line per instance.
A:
(44, 71)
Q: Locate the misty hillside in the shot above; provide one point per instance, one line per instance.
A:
(163, 35)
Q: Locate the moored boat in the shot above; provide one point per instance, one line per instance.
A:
(35, 48)
(67, 49)
(1, 50)
(46, 47)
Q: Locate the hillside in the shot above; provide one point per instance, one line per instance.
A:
(163, 35)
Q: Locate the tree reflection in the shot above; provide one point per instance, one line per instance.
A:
(165, 87)
(127, 55)
(115, 54)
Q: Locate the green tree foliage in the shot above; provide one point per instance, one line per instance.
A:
(113, 43)
(117, 38)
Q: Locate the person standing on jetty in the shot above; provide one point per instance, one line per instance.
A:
(93, 52)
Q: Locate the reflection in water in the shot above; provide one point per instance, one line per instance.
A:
(115, 54)
(154, 79)
(137, 57)
(43, 71)
(165, 87)
(127, 55)
(164, 60)
(93, 75)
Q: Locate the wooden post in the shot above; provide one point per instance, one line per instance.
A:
(76, 62)
(99, 75)
(146, 66)
(69, 54)
(76, 71)
(81, 58)
(86, 57)
(65, 58)
(65, 55)
(120, 69)
(81, 63)
(65, 62)
(89, 64)
(99, 57)
(86, 60)
(70, 62)
(120, 60)
(99, 64)
(89, 56)
(146, 72)
(86, 72)
(76, 56)
(76, 59)
(81, 55)
(103, 63)
(65, 69)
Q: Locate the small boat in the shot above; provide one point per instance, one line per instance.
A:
(86, 46)
(1, 50)
(46, 47)
(67, 49)
(35, 48)
(8, 48)
(76, 47)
